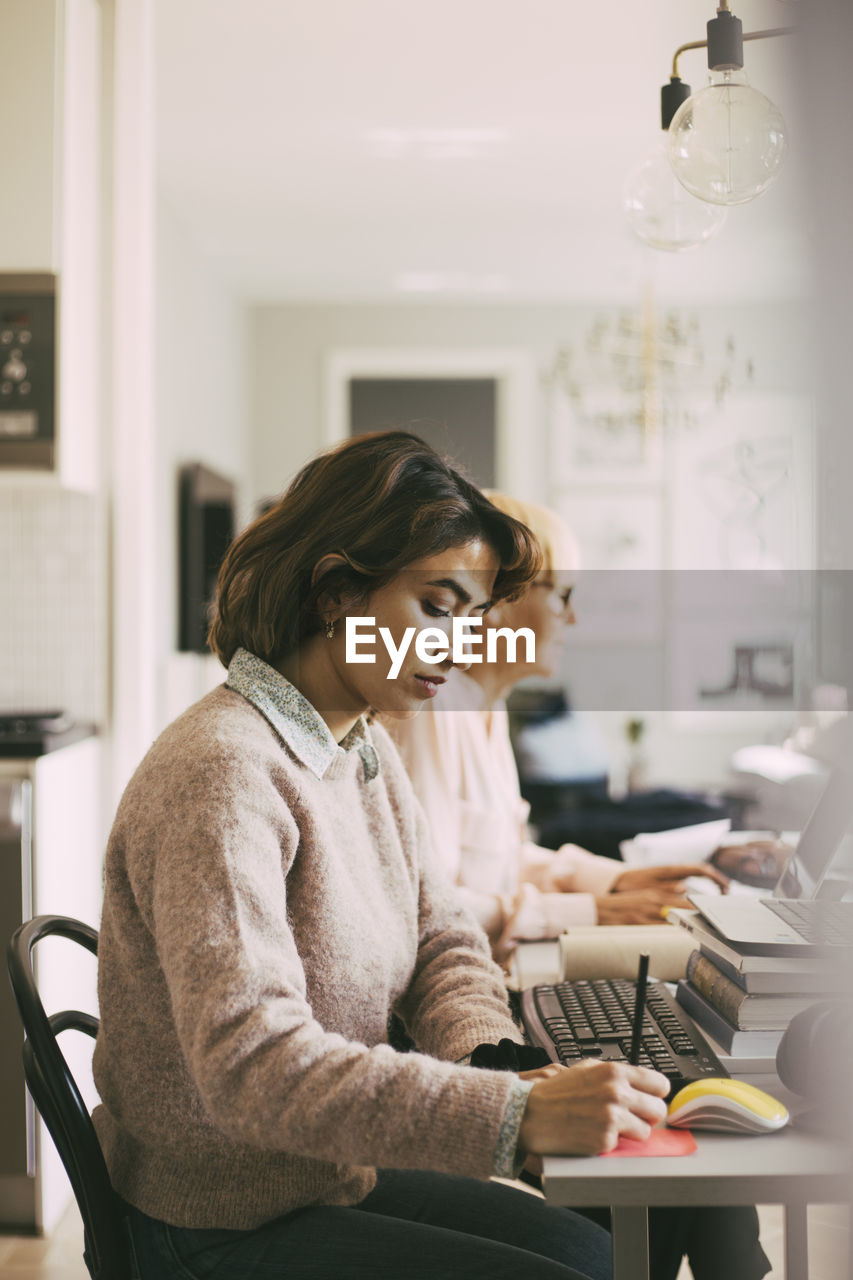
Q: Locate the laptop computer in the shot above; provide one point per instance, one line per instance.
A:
(793, 917)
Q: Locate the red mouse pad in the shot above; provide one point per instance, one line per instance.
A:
(660, 1142)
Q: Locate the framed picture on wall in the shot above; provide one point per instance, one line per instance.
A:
(619, 589)
(741, 644)
(605, 440)
(742, 491)
(409, 383)
(615, 529)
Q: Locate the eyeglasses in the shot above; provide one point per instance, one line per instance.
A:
(562, 599)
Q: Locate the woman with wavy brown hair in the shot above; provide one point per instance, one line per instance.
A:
(272, 901)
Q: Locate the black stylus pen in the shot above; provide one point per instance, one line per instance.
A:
(639, 1009)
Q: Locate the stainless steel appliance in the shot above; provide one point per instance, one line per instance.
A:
(46, 864)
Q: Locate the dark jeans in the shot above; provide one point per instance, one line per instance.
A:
(719, 1243)
(424, 1226)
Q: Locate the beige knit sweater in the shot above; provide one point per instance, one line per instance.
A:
(261, 921)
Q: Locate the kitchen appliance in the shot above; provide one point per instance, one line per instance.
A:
(34, 733)
(28, 370)
(50, 863)
(206, 523)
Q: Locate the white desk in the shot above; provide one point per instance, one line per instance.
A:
(792, 1167)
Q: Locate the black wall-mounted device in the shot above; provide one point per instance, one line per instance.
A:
(206, 528)
(28, 370)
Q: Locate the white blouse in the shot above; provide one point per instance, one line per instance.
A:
(463, 771)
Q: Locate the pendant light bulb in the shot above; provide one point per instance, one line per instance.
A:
(661, 212)
(727, 142)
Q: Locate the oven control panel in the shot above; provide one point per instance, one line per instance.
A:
(27, 370)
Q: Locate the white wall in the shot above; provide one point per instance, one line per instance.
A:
(53, 636)
(290, 345)
(50, 197)
(829, 104)
(28, 98)
(201, 416)
(80, 240)
(54, 629)
(151, 373)
(178, 392)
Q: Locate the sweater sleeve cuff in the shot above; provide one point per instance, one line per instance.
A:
(532, 915)
(584, 872)
(567, 910)
(508, 1159)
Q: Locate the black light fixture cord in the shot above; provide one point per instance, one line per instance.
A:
(747, 35)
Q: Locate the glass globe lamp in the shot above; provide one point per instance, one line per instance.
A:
(727, 142)
(661, 212)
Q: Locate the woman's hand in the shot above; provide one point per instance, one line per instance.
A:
(757, 862)
(669, 878)
(533, 1164)
(646, 906)
(585, 1109)
(642, 895)
(542, 1073)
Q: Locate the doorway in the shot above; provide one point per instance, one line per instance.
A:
(477, 406)
(456, 416)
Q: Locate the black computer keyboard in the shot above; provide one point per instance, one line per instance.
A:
(816, 920)
(593, 1019)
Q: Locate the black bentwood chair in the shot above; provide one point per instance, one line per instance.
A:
(106, 1250)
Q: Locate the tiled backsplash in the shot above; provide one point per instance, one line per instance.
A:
(52, 602)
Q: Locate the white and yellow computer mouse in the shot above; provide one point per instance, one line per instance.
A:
(727, 1106)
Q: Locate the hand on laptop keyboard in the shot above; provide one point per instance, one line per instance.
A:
(697, 884)
(757, 863)
(641, 895)
(669, 879)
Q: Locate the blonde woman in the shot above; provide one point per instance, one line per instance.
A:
(459, 759)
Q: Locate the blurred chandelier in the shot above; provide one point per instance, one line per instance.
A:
(721, 146)
(641, 371)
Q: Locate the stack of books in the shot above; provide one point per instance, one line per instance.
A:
(743, 1002)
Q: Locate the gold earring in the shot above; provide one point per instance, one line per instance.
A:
(330, 630)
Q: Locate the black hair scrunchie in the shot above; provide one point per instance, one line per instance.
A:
(506, 1055)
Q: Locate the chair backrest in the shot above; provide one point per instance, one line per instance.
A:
(58, 1099)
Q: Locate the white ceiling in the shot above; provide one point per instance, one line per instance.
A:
(461, 149)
